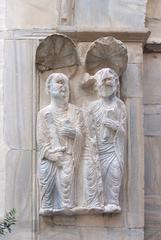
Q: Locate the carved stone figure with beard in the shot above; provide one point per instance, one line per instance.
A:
(106, 130)
(59, 140)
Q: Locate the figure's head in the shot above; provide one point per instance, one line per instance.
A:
(57, 85)
(107, 81)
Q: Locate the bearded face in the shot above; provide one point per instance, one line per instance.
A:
(59, 89)
(107, 86)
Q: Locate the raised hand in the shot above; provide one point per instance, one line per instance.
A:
(111, 124)
(55, 155)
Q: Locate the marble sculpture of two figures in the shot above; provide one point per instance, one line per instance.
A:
(81, 148)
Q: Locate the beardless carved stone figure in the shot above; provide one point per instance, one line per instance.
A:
(107, 121)
(59, 139)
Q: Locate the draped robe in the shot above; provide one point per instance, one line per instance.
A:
(58, 185)
(108, 146)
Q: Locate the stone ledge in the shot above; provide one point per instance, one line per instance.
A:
(152, 47)
(85, 34)
(81, 34)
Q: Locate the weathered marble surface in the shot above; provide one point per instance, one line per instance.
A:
(135, 52)
(18, 94)
(151, 78)
(31, 14)
(47, 15)
(3, 147)
(19, 192)
(131, 83)
(118, 13)
(152, 187)
(20, 99)
(84, 233)
(2, 14)
(152, 120)
(153, 20)
(66, 14)
(152, 132)
(131, 90)
(135, 162)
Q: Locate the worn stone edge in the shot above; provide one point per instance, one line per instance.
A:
(91, 34)
(152, 48)
(86, 34)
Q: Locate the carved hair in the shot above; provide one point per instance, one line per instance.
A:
(54, 77)
(103, 73)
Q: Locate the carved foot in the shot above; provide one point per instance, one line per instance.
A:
(51, 211)
(80, 210)
(46, 211)
(112, 208)
(88, 210)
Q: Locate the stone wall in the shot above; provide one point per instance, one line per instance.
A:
(152, 120)
(2, 144)
(27, 23)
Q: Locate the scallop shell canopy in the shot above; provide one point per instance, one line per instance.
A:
(55, 52)
(106, 52)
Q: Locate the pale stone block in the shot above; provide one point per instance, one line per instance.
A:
(152, 188)
(153, 20)
(94, 233)
(135, 52)
(117, 221)
(112, 234)
(2, 14)
(154, 9)
(19, 192)
(18, 94)
(19, 232)
(135, 166)
(3, 147)
(2, 189)
(152, 212)
(155, 28)
(90, 221)
(64, 220)
(152, 234)
(66, 12)
(152, 166)
(58, 233)
(86, 233)
(151, 78)
(31, 14)
(131, 82)
(152, 120)
(113, 13)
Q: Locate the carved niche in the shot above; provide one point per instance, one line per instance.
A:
(81, 144)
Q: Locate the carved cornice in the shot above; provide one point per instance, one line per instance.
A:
(82, 34)
(85, 34)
